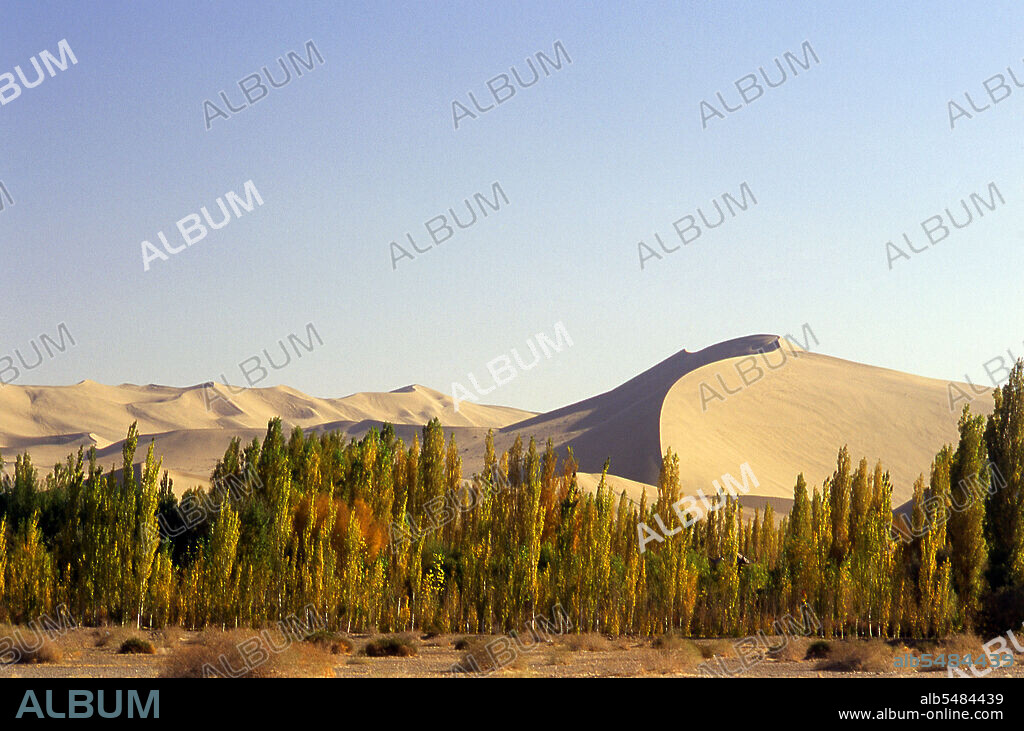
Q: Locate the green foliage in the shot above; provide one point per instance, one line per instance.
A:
(377, 535)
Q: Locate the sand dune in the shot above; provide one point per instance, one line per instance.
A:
(779, 410)
(800, 410)
(193, 425)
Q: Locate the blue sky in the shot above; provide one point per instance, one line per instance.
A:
(595, 157)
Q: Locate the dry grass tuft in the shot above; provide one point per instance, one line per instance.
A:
(960, 645)
(793, 649)
(670, 642)
(46, 652)
(683, 658)
(818, 650)
(137, 646)
(489, 654)
(463, 643)
(238, 653)
(716, 648)
(861, 656)
(330, 642)
(587, 642)
(403, 645)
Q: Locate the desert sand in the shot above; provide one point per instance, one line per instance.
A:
(782, 410)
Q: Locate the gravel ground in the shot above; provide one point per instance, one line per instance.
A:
(93, 653)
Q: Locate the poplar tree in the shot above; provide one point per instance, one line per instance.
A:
(970, 481)
(799, 549)
(1005, 506)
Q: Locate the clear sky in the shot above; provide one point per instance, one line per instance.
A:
(594, 158)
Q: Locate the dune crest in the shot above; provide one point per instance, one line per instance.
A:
(759, 400)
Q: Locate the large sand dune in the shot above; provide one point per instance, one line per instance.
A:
(780, 409)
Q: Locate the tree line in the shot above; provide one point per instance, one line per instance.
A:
(342, 525)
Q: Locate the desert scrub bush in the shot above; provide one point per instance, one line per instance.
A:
(818, 650)
(960, 645)
(329, 642)
(485, 655)
(107, 636)
(790, 649)
(671, 641)
(44, 652)
(137, 646)
(391, 646)
(463, 643)
(587, 642)
(432, 631)
(862, 656)
(168, 636)
(715, 648)
(216, 653)
(684, 657)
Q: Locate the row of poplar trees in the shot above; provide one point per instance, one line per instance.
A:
(376, 534)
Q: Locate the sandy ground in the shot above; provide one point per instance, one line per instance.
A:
(93, 653)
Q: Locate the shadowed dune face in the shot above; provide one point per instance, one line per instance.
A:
(625, 423)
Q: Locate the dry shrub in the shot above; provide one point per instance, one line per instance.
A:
(961, 645)
(588, 642)
(670, 642)
(209, 649)
(716, 648)
(110, 636)
(28, 645)
(115, 636)
(684, 658)
(488, 654)
(137, 646)
(46, 652)
(216, 653)
(330, 642)
(793, 649)
(403, 645)
(862, 656)
(169, 636)
(819, 649)
(463, 643)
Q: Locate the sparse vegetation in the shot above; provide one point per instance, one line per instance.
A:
(682, 659)
(314, 525)
(790, 649)
(44, 652)
(587, 642)
(463, 643)
(864, 656)
(715, 648)
(137, 646)
(818, 649)
(329, 642)
(488, 654)
(391, 646)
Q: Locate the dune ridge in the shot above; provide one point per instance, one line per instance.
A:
(777, 407)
